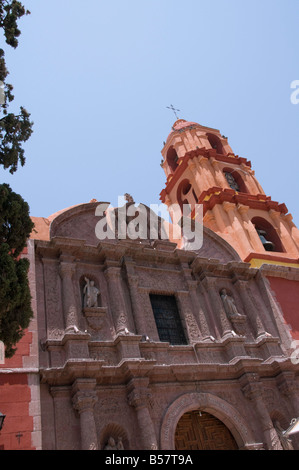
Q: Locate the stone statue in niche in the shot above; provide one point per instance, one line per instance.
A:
(286, 443)
(229, 304)
(112, 445)
(90, 294)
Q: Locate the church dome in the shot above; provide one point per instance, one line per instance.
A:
(182, 124)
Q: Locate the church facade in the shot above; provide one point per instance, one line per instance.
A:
(142, 344)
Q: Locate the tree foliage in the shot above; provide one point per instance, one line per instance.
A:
(15, 222)
(14, 129)
(15, 298)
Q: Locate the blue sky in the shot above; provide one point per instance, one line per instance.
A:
(97, 77)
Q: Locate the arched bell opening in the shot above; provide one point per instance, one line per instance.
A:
(268, 235)
(172, 159)
(235, 180)
(186, 196)
(216, 143)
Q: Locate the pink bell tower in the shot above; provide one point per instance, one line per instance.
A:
(201, 168)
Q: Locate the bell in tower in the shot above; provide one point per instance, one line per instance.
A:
(267, 244)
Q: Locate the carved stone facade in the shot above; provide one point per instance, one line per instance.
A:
(107, 379)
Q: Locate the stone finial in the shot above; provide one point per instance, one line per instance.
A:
(128, 197)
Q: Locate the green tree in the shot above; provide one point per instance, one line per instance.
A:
(14, 129)
(15, 298)
(15, 222)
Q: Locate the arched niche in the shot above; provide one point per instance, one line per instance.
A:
(114, 435)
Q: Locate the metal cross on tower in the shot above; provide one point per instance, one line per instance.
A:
(174, 110)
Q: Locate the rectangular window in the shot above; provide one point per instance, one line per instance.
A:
(167, 319)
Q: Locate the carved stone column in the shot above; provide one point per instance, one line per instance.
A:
(135, 298)
(250, 309)
(210, 284)
(66, 270)
(56, 426)
(84, 399)
(253, 390)
(188, 316)
(138, 398)
(198, 313)
(117, 301)
(133, 282)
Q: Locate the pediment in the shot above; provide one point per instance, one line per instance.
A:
(80, 222)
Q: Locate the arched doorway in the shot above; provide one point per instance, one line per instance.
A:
(198, 430)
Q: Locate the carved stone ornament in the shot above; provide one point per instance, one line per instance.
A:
(95, 317)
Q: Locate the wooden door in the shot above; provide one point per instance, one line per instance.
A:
(202, 431)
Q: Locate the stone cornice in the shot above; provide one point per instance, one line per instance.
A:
(284, 272)
(217, 195)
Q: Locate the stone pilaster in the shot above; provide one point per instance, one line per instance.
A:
(138, 398)
(219, 176)
(117, 301)
(188, 317)
(285, 236)
(250, 309)
(203, 325)
(204, 168)
(133, 283)
(84, 399)
(210, 285)
(248, 225)
(66, 271)
(289, 387)
(236, 225)
(252, 389)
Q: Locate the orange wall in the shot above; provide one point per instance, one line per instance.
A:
(15, 397)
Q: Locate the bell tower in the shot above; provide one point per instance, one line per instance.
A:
(201, 168)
